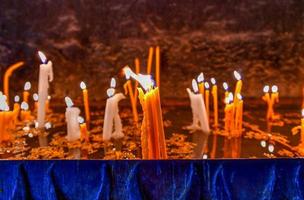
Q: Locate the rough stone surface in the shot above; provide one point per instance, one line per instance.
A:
(92, 40)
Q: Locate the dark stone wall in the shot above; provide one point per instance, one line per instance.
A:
(92, 40)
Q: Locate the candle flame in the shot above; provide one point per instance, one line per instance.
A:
(274, 88)
(227, 100)
(194, 86)
(144, 80)
(213, 81)
(42, 57)
(239, 96)
(207, 85)
(271, 148)
(35, 97)
(16, 98)
(83, 85)
(68, 101)
(80, 120)
(230, 96)
(48, 125)
(110, 92)
(200, 78)
(237, 75)
(225, 86)
(24, 106)
(113, 83)
(27, 86)
(303, 112)
(49, 97)
(263, 143)
(266, 89)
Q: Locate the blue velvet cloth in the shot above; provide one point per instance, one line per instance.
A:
(166, 179)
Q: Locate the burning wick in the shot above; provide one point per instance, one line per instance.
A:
(68, 101)
(42, 57)
(200, 78)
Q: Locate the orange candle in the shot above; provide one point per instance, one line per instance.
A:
(225, 86)
(85, 101)
(35, 98)
(215, 101)
(207, 94)
(157, 70)
(6, 119)
(25, 114)
(149, 64)
(26, 94)
(47, 104)
(302, 127)
(228, 114)
(83, 129)
(266, 98)
(128, 89)
(274, 99)
(239, 116)
(201, 84)
(238, 86)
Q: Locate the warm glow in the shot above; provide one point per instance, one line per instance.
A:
(194, 86)
(266, 88)
(49, 97)
(237, 75)
(239, 96)
(113, 83)
(42, 57)
(274, 88)
(3, 103)
(144, 80)
(227, 100)
(207, 85)
(48, 125)
(200, 78)
(230, 96)
(263, 143)
(24, 106)
(17, 99)
(83, 85)
(110, 92)
(225, 86)
(80, 120)
(27, 86)
(35, 97)
(303, 112)
(213, 81)
(68, 101)
(271, 148)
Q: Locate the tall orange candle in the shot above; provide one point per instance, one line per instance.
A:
(86, 101)
(228, 114)
(274, 98)
(149, 64)
(83, 129)
(302, 127)
(35, 98)
(201, 84)
(215, 101)
(26, 94)
(266, 98)
(25, 114)
(238, 86)
(239, 116)
(16, 109)
(157, 70)
(207, 94)
(225, 86)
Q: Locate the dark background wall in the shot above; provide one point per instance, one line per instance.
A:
(92, 40)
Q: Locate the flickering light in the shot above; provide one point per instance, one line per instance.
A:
(68, 101)
(144, 80)
(227, 100)
(80, 120)
(194, 86)
(237, 75)
(225, 86)
(263, 143)
(27, 86)
(48, 125)
(35, 97)
(113, 83)
(110, 92)
(274, 88)
(200, 78)
(266, 89)
(239, 96)
(207, 85)
(213, 81)
(16, 98)
(271, 148)
(24, 106)
(230, 96)
(83, 85)
(42, 57)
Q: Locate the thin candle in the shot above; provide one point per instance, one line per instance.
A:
(86, 102)
(157, 70)
(83, 129)
(215, 101)
(25, 112)
(26, 94)
(207, 94)
(35, 98)
(201, 84)
(266, 98)
(226, 87)
(238, 86)
(149, 62)
(71, 117)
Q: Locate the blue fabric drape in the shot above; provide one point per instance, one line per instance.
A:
(158, 179)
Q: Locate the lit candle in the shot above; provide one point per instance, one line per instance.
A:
(45, 76)
(26, 94)
(149, 64)
(225, 86)
(207, 94)
(7, 75)
(302, 127)
(16, 109)
(238, 86)
(215, 101)
(112, 116)
(35, 98)
(229, 114)
(199, 114)
(201, 84)
(47, 104)
(71, 117)
(85, 101)
(266, 98)
(239, 116)
(152, 130)
(83, 129)
(25, 114)
(157, 70)
(274, 99)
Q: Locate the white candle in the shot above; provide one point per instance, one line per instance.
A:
(71, 117)
(45, 76)
(112, 115)
(200, 119)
